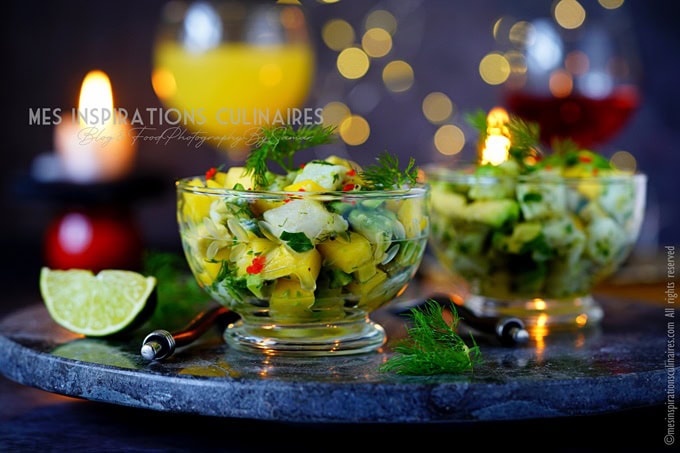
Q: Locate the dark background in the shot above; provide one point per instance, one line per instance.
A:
(50, 46)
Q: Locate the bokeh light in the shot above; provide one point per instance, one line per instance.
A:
(353, 63)
(623, 160)
(398, 76)
(376, 42)
(334, 113)
(569, 14)
(520, 33)
(560, 83)
(576, 62)
(337, 34)
(381, 19)
(354, 130)
(437, 107)
(610, 4)
(494, 68)
(449, 139)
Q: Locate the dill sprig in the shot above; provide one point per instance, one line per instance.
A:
(432, 346)
(386, 174)
(279, 144)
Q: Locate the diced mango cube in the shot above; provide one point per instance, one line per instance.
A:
(238, 175)
(346, 253)
(283, 262)
(410, 214)
(195, 206)
(307, 185)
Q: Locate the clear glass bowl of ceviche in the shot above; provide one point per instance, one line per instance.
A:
(307, 256)
(533, 241)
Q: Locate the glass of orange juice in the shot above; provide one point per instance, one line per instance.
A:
(228, 68)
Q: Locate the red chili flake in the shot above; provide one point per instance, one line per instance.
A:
(302, 189)
(585, 159)
(257, 266)
(595, 171)
(210, 174)
(347, 187)
(302, 165)
(287, 200)
(548, 167)
(351, 173)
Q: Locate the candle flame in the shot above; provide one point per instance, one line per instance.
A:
(497, 143)
(95, 105)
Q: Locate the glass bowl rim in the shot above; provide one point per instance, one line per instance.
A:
(419, 190)
(438, 173)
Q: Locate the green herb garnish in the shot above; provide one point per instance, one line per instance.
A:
(385, 174)
(279, 144)
(299, 242)
(433, 346)
(180, 298)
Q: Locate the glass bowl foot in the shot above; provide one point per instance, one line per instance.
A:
(551, 314)
(304, 340)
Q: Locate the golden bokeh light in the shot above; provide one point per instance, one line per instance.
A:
(501, 28)
(494, 68)
(623, 160)
(328, 2)
(354, 130)
(569, 14)
(381, 19)
(610, 4)
(560, 83)
(337, 34)
(353, 63)
(398, 76)
(577, 62)
(377, 42)
(334, 113)
(437, 107)
(520, 32)
(449, 139)
(163, 83)
(517, 61)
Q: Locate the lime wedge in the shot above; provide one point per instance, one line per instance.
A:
(97, 305)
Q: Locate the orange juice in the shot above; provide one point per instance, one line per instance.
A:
(233, 89)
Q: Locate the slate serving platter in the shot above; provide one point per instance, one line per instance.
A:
(616, 366)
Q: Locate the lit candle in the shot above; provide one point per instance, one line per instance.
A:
(497, 143)
(96, 145)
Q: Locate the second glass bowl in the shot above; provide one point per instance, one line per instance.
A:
(534, 248)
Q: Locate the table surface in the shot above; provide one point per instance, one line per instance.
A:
(31, 418)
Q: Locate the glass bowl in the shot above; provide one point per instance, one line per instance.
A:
(534, 247)
(251, 251)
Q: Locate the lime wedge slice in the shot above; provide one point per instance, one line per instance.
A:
(97, 305)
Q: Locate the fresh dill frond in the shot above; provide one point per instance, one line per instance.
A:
(386, 174)
(279, 144)
(179, 296)
(477, 120)
(524, 137)
(432, 346)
